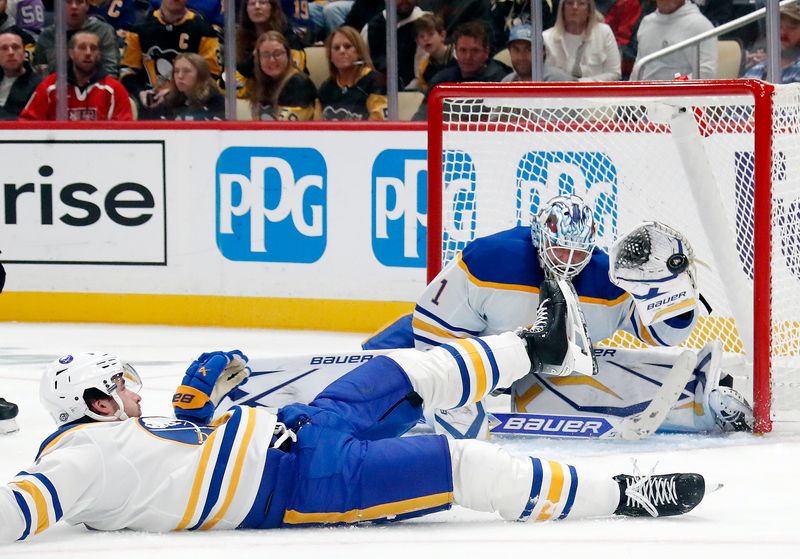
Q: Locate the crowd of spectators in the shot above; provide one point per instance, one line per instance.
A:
(167, 54)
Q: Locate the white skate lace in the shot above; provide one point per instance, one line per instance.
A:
(648, 492)
(541, 317)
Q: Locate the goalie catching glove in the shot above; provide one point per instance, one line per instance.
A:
(207, 380)
(655, 264)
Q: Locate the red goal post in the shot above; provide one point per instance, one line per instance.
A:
(718, 160)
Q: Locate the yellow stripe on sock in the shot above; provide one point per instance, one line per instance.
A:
(554, 495)
(477, 364)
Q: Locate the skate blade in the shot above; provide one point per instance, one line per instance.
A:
(8, 426)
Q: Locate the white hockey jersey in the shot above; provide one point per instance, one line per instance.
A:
(151, 473)
(493, 287)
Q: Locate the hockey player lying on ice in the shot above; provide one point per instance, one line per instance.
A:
(339, 459)
(645, 287)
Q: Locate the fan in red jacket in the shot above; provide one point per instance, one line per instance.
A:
(91, 95)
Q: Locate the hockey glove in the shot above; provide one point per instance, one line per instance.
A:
(655, 264)
(206, 382)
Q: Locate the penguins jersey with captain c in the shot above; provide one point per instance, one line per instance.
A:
(150, 473)
(493, 286)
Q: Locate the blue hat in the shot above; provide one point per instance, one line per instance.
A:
(520, 32)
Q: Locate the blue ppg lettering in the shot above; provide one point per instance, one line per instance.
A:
(458, 203)
(271, 204)
(589, 174)
(400, 207)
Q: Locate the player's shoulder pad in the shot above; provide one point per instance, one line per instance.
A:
(593, 280)
(507, 257)
(60, 433)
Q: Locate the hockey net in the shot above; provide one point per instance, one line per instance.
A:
(719, 161)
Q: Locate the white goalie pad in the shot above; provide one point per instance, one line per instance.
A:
(655, 264)
(278, 381)
(628, 381)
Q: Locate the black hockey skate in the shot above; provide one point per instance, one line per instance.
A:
(8, 412)
(546, 338)
(659, 495)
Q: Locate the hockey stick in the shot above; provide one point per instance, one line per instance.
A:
(577, 426)
(645, 423)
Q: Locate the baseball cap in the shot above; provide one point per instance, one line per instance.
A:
(791, 11)
(520, 32)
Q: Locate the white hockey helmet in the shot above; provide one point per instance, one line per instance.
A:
(564, 234)
(66, 380)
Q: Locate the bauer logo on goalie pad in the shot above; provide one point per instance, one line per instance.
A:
(271, 204)
(548, 425)
(588, 174)
(399, 207)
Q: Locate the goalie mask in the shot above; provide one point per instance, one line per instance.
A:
(66, 380)
(564, 234)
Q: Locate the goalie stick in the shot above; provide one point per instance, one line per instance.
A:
(638, 426)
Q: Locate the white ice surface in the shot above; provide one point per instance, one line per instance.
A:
(754, 515)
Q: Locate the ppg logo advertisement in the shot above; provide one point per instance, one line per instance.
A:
(271, 204)
(400, 207)
(57, 209)
(458, 205)
(590, 174)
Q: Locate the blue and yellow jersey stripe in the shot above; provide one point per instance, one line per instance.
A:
(38, 501)
(219, 470)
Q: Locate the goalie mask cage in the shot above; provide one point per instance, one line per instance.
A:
(718, 161)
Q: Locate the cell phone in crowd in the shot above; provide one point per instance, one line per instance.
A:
(150, 98)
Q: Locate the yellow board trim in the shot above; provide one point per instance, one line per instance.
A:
(183, 310)
(477, 364)
(371, 513)
(554, 495)
(42, 519)
(237, 470)
(194, 496)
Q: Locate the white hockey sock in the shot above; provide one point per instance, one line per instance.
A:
(489, 479)
(464, 371)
